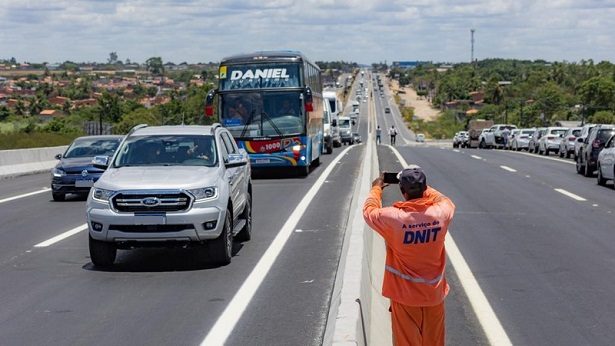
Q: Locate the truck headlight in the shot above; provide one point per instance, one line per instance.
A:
(58, 172)
(102, 195)
(204, 193)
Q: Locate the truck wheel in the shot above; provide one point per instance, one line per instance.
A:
(58, 197)
(246, 232)
(102, 253)
(221, 248)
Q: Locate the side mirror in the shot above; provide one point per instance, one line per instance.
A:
(309, 106)
(334, 122)
(209, 103)
(101, 162)
(235, 160)
(58, 156)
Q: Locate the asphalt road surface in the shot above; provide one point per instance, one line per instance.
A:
(538, 238)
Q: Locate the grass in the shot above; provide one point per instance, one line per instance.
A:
(17, 140)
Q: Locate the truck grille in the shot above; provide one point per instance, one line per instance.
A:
(152, 202)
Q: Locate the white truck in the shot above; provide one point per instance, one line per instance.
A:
(494, 137)
(330, 129)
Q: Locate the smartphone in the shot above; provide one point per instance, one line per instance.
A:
(390, 178)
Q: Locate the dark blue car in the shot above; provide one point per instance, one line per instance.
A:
(75, 172)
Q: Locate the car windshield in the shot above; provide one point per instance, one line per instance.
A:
(576, 133)
(90, 147)
(344, 123)
(263, 114)
(527, 132)
(167, 150)
(558, 132)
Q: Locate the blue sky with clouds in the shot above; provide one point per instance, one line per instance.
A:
(364, 31)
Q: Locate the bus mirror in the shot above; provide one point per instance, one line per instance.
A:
(309, 106)
(209, 103)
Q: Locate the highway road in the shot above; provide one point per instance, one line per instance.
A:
(536, 236)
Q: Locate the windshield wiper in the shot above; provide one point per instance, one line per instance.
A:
(268, 118)
(245, 127)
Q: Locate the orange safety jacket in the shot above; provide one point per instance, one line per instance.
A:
(414, 234)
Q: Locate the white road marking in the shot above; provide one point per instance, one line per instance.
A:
(541, 157)
(506, 168)
(45, 189)
(476, 157)
(233, 311)
(571, 195)
(486, 316)
(62, 236)
(456, 150)
(595, 205)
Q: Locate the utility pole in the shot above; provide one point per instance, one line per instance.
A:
(472, 45)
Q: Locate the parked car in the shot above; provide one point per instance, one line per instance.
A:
(551, 139)
(566, 145)
(521, 139)
(356, 137)
(581, 138)
(514, 133)
(171, 186)
(457, 140)
(475, 129)
(75, 173)
(606, 162)
(535, 138)
(420, 137)
(496, 137)
(588, 154)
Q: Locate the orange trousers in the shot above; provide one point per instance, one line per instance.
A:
(417, 326)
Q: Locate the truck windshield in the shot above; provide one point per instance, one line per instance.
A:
(263, 114)
(344, 123)
(167, 150)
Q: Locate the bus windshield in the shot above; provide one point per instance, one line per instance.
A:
(263, 114)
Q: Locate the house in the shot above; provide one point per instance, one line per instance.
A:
(59, 100)
(47, 115)
(86, 102)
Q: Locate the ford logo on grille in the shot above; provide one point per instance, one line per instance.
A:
(150, 201)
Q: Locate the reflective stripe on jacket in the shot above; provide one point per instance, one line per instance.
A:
(414, 233)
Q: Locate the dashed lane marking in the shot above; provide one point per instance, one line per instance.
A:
(571, 195)
(506, 168)
(8, 199)
(476, 157)
(484, 312)
(62, 236)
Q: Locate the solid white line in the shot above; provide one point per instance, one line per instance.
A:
(486, 316)
(571, 195)
(233, 311)
(45, 189)
(476, 157)
(506, 168)
(62, 236)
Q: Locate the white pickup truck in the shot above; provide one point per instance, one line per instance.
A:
(493, 137)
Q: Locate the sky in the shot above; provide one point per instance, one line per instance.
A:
(363, 31)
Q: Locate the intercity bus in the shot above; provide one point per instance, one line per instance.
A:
(272, 104)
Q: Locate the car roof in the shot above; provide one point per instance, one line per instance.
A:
(101, 137)
(174, 130)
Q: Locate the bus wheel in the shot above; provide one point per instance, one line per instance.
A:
(304, 171)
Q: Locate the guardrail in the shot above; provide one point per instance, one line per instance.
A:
(17, 162)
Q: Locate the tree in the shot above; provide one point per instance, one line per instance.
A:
(603, 117)
(108, 108)
(597, 93)
(154, 65)
(4, 113)
(112, 58)
(136, 117)
(549, 98)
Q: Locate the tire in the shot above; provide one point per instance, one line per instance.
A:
(568, 155)
(580, 169)
(546, 151)
(221, 248)
(102, 253)
(600, 180)
(246, 232)
(330, 148)
(587, 171)
(481, 145)
(58, 197)
(304, 171)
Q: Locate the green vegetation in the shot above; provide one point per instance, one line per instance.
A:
(525, 93)
(19, 140)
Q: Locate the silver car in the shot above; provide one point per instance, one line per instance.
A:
(535, 138)
(578, 144)
(520, 139)
(171, 185)
(606, 162)
(566, 145)
(551, 139)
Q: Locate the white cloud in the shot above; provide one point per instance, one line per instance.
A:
(353, 30)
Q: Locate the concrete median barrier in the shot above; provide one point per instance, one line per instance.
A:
(28, 161)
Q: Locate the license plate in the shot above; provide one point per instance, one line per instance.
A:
(262, 161)
(150, 219)
(84, 183)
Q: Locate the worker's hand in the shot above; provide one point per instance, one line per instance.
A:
(379, 182)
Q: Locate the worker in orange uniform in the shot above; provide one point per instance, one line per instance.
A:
(414, 231)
